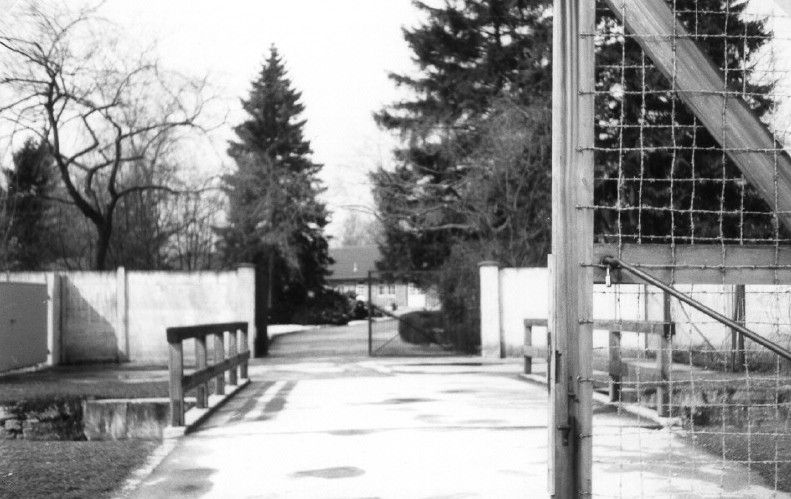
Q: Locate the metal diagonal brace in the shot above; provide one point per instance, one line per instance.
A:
(615, 263)
(701, 86)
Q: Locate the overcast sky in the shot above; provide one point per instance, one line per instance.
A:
(337, 52)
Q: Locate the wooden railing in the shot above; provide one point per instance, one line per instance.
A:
(617, 369)
(233, 359)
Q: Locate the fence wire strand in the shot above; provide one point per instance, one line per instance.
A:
(703, 401)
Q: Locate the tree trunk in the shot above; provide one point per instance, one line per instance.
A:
(102, 244)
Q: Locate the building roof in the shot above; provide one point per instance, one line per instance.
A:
(353, 262)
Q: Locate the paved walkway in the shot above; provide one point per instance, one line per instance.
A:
(352, 427)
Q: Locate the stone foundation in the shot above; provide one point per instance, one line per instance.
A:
(59, 419)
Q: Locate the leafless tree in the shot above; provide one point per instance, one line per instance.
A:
(360, 230)
(65, 77)
(502, 198)
(193, 243)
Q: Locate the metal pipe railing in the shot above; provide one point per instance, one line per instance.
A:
(616, 263)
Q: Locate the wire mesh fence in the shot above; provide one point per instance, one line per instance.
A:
(410, 318)
(692, 185)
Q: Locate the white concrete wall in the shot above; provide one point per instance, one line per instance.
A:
(23, 325)
(510, 295)
(88, 317)
(122, 316)
(158, 300)
(523, 293)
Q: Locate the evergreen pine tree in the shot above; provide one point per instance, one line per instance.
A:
(663, 146)
(473, 55)
(28, 212)
(275, 219)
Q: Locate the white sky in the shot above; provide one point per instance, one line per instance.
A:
(337, 52)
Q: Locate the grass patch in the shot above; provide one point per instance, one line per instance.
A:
(68, 469)
(765, 449)
(96, 381)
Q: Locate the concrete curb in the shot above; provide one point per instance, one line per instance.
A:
(632, 409)
(137, 476)
(170, 437)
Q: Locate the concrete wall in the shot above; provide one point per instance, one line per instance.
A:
(157, 300)
(510, 295)
(122, 316)
(23, 325)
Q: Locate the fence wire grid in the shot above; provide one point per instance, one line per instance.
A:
(695, 409)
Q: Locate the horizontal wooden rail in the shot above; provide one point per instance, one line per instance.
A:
(630, 326)
(190, 381)
(616, 367)
(233, 361)
(175, 334)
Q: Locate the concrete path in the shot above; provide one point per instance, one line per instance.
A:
(351, 427)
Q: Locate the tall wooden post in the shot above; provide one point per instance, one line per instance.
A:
(572, 247)
(737, 338)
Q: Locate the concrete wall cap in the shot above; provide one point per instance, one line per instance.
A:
(489, 263)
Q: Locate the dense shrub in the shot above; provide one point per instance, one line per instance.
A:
(459, 292)
(420, 327)
(326, 307)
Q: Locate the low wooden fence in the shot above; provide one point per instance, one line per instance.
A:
(225, 358)
(617, 368)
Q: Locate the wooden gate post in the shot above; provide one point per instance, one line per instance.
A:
(572, 246)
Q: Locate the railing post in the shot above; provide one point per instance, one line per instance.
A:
(737, 338)
(200, 360)
(243, 343)
(663, 360)
(219, 356)
(616, 367)
(176, 368)
(527, 351)
(232, 373)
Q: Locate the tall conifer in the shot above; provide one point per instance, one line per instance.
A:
(275, 219)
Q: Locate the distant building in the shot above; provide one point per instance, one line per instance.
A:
(350, 271)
